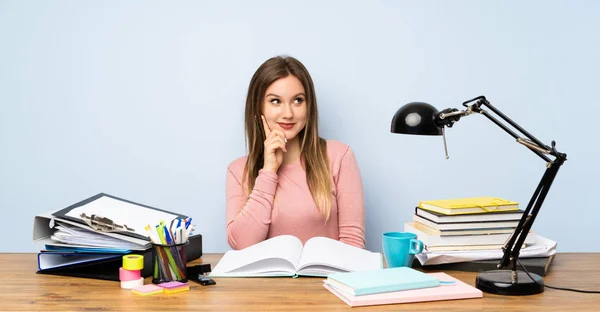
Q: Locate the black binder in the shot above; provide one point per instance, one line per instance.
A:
(108, 269)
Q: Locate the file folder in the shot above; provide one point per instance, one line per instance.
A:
(107, 267)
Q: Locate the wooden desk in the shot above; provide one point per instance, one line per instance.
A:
(23, 290)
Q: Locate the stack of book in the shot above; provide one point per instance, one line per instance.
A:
(479, 223)
(467, 234)
(396, 285)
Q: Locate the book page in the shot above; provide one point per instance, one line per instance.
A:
(324, 255)
(271, 257)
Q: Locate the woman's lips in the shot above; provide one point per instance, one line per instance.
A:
(286, 126)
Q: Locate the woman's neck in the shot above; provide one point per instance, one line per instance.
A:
(293, 151)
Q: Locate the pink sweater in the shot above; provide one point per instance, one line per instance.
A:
(294, 212)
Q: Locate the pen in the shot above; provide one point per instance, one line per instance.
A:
(173, 264)
(186, 235)
(147, 229)
(171, 228)
(167, 236)
(161, 235)
(179, 238)
(175, 253)
(152, 234)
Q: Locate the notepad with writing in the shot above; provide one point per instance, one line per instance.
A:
(286, 256)
(383, 280)
(453, 291)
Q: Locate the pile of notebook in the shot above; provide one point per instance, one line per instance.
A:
(89, 238)
(471, 225)
(396, 285)
(479, 223)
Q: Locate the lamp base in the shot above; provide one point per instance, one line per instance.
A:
(500, 282)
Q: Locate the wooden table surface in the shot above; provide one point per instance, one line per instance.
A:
(23, 290)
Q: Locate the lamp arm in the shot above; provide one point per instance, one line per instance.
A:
(513, 245)
(482, 101)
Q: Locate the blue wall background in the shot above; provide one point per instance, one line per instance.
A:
(144, 100)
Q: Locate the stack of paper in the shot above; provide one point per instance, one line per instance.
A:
(543, 247)
(75, 236)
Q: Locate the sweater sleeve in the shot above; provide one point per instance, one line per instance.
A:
(350, 201)
(249, 219)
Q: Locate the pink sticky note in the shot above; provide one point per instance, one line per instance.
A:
(171, 285)
(147, 289)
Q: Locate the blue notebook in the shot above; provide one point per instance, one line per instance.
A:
(380, 281)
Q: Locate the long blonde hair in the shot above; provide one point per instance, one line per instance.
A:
(313, 149)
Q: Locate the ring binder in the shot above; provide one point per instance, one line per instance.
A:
(109, 209)
(104, 224)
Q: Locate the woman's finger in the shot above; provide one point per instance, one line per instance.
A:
(279, 141)
(275, 142)
(280, 134)
(265, 126)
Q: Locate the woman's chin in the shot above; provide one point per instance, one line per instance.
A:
(290, 134)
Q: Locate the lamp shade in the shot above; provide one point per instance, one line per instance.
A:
(416, 118)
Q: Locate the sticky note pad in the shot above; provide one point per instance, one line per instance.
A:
(171, 291)
(173, 284)
(148, 289)
(173, 287)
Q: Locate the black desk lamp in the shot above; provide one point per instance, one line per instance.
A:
(424, 119)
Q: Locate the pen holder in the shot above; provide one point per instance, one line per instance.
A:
(169, 263)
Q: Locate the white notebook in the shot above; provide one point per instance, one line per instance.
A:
(286, 256)
(434, 241)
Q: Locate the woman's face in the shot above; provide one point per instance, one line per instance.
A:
(284, 106)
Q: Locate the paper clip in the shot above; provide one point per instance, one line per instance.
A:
(104, 224)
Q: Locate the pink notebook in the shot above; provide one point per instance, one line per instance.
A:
(457, 290)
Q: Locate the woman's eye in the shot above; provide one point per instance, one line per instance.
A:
(299, 100)
(275, 101)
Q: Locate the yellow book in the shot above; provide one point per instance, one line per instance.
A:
(457, 206)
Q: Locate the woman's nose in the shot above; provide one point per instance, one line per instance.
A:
(287, 111)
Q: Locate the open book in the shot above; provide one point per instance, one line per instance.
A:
(286, 256)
